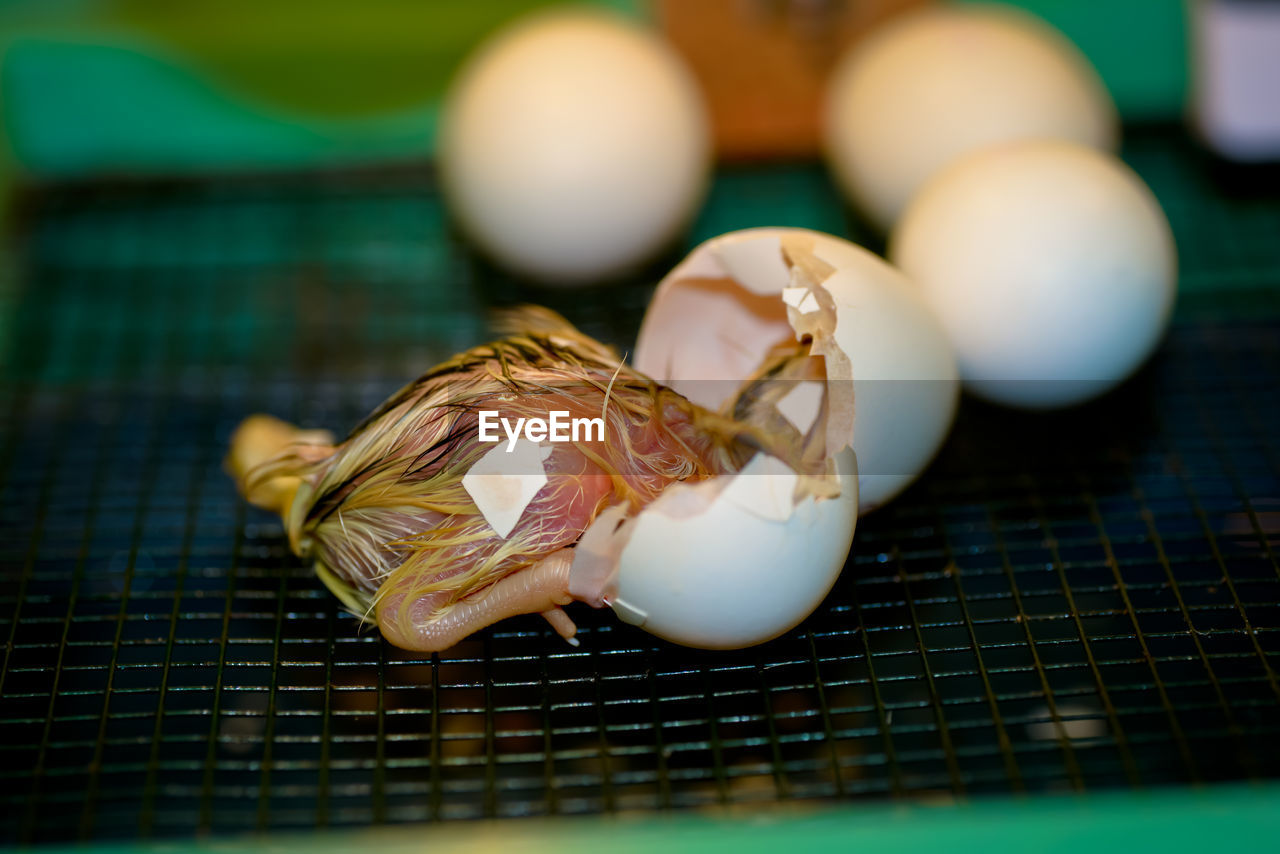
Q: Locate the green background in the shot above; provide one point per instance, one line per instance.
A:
(127, 86)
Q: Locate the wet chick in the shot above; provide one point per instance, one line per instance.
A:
(392, 527)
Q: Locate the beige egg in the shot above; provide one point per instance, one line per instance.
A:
(1051, 265)
(573, 146)
(936, 84)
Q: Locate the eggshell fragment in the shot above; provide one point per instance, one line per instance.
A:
(715, 317)
(801, 299)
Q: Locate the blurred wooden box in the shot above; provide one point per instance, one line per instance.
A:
(763, 64)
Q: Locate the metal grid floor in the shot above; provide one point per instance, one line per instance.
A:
(1071, 601)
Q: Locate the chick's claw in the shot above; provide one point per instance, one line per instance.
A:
(562, 623)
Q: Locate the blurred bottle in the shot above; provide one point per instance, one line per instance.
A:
(1236, 77)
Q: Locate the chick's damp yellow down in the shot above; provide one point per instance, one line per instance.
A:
(393, 529)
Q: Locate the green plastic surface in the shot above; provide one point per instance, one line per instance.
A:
(1245, 819)
(144, 86)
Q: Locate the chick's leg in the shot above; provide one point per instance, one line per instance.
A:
(426, 626)
(562, 623)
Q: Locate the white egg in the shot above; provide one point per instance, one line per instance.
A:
(1051, 265)
(933, 85)
(573, 146)
(723, 569)
(717, 314)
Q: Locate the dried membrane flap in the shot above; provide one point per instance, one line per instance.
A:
(808, 272)
(790, 265)
(593, 575)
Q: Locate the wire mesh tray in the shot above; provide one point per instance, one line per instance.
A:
(1073, 601)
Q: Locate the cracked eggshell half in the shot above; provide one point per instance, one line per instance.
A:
(716, 315)
(734, 562)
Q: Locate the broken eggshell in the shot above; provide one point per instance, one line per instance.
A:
(724, 563)
(714, 318)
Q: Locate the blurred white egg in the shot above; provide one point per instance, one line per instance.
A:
(1051, 265)
(573, 146)
(933, 85)
(715, 567)
(717, 314)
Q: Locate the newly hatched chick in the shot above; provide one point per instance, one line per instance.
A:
(396, 533)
